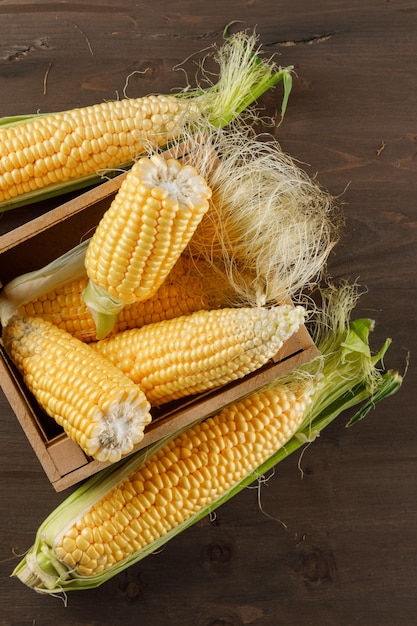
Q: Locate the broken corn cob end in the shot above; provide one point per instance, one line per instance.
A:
(142, 235)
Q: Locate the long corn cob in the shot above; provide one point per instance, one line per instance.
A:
(197, 352)
(141, 235)
(48, 154)
(56, 148)
(121, 516)
(182, 478)
(180, 294)
(96, 405)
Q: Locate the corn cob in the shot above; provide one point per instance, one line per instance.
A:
(96, 405)
(122, 515)
(181, 293)
(197, 352)
(171, 486)
(181, 479)
(141, 235)
(56, 148)
(48, 154)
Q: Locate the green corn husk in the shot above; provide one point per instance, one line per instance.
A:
(345, 376)
(243, 77)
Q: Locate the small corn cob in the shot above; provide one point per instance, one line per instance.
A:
(197, 352)
(181, 293)
(141, 235)
(96, 405)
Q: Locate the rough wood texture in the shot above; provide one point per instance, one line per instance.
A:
(346, 554)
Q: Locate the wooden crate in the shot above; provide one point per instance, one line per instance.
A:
(35, 244)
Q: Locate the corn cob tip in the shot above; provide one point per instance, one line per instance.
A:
(119, 428)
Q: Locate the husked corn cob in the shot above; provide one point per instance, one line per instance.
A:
(206, 349)
(142, 234)
(94, 402)
(72, 144)
(181, 293)
(182, 478)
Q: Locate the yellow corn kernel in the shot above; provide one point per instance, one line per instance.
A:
(94, 402)
(193, 353)
(199, 487)
(61, 143)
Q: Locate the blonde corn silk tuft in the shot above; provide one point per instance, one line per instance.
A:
(270, 227)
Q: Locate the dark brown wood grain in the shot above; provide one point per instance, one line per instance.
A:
(333, 545)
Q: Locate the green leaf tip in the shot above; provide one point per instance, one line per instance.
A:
(358, 337)
(389, 383)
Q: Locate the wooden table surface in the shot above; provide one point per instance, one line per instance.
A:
(336, 545)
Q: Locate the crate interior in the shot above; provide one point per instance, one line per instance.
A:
(43, 240)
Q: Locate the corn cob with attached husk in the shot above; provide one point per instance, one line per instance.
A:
(183, 477)
(180, 294)
(95, 403)
(120, 516)
(193, 353)
(48, 154)
(141, 236)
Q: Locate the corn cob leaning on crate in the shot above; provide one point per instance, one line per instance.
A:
(120, 516)
(141, 235)
(47, 154)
